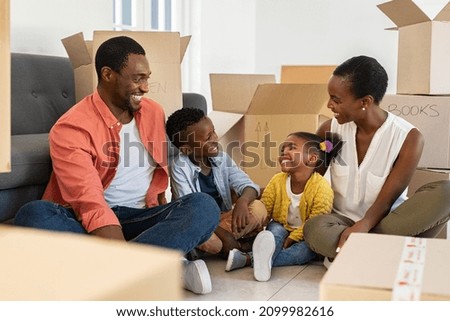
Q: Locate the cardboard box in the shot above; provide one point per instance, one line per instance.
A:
(164, 51)
(273, 112)
(308, 74)
(386, 267)
(423, 48)
(43, 265)
(5, 88)
(431, 115)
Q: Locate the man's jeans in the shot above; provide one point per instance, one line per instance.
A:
(297, 254)
(182, 224)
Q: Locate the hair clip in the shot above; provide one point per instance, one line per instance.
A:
(326, 146)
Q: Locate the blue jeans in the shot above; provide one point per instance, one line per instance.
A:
(297, 254)
(182, 224)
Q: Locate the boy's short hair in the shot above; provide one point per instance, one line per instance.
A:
(179, 121)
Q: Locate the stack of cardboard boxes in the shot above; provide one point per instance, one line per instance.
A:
(423, 84)
(386, 267)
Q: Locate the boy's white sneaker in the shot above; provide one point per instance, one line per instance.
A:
(263, 248)
(196, 277)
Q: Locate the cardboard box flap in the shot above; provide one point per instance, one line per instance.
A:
(166, 46)
(223, 121)
(184, 43)
(444, 14)
(77, 50)
(271, 99)
(233, 92)
(306, 74)
(403, 12)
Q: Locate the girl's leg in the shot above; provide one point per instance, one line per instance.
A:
(424, 214)
(297, 254)
(280, 234)
(322, 233)
(266, 247)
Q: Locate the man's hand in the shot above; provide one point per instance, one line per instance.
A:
(162, 198)
(109, 232)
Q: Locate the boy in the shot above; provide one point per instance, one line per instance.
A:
(200, 167)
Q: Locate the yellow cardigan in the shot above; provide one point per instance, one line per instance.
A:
(317, 199)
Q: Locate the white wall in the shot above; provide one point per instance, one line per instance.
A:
(232, 36)
(38, 26)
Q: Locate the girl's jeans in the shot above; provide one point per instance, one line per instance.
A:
(297, 254)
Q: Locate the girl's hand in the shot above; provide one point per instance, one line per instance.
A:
(288, 242)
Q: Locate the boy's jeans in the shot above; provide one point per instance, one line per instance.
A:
(181, 224)
(297, 254)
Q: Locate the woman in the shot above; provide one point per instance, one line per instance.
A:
(379, 156)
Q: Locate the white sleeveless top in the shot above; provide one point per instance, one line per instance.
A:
(134, 172)
(356, 187)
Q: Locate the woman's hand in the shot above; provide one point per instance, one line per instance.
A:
(359, 227)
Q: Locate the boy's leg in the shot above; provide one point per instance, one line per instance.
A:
(48, 216)
(423, 214)
(322, 233)
(256, 220)
(182, 224)
(212, 246)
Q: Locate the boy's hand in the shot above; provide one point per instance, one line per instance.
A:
(239, 217)
(240, 212)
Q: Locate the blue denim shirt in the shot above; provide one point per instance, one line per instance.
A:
(227, 176)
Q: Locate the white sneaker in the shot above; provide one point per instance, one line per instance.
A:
(196, 277)
(263, 248)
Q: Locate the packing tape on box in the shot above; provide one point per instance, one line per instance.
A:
(408, 282)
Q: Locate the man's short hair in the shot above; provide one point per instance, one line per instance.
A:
(114, 52)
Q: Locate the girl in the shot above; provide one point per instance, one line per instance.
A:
(291, 198)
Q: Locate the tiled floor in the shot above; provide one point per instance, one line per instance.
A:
(299, 283)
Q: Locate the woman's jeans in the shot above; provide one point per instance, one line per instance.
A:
(182, 224)
(297, 254)
(422, 215)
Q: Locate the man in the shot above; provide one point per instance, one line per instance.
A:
(109, 155)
